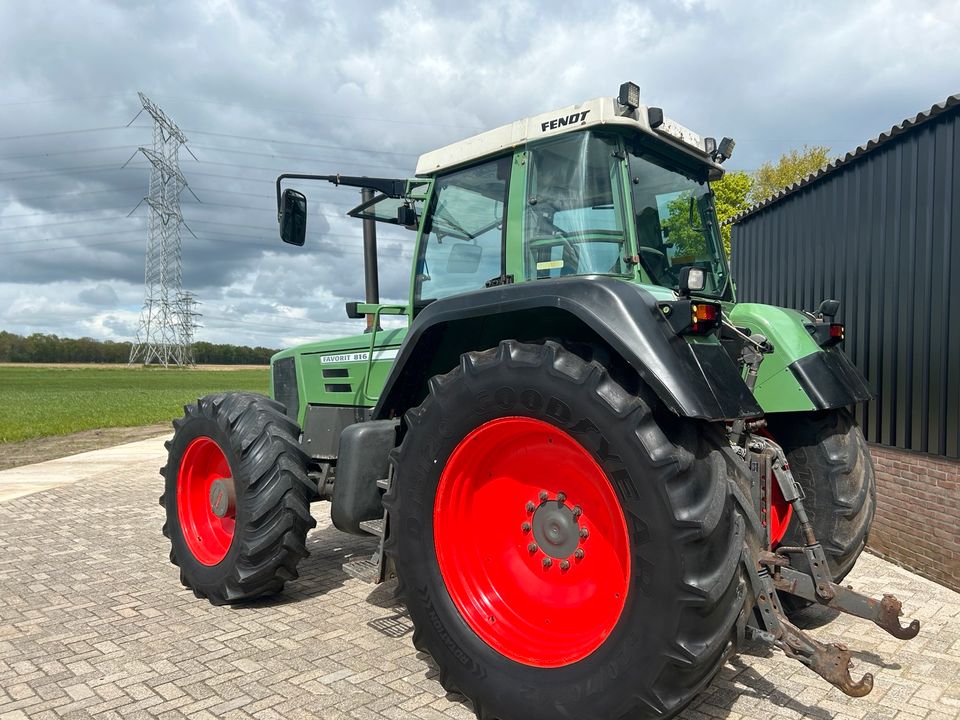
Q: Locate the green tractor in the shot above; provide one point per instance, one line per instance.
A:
(592, 472)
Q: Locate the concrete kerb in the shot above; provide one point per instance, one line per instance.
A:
(27, 479)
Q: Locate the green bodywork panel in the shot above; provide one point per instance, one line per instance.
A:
(777, 389)
(348, 371)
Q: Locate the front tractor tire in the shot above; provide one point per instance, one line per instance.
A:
(562, 551)
(236, 496)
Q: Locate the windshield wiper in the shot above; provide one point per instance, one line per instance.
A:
(454, 225)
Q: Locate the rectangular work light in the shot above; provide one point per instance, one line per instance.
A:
(629, 95)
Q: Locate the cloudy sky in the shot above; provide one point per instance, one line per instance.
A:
(362, 88)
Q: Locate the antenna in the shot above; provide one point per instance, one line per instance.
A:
(168, 318)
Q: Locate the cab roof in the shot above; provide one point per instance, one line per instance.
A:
(590, 114)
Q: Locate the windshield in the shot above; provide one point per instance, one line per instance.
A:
(676, 224)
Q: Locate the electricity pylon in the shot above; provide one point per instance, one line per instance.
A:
(167, 320)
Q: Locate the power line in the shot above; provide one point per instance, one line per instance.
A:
(69, 222)
(29, 174)
(272, 326)
(320, 244)
(72, 132)
(67, 152)
(270, 208)
(67, 99)
(195, 173)
(206, 203)
(69, 194)
(79, 170)
(274, 141)
(232, 238)
(61, 212)
(73, 247)
(392, 120)
(214, 190)
(13, 174)
(300, 158)
(349, 163)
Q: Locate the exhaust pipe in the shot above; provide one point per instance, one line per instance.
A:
(371, 273)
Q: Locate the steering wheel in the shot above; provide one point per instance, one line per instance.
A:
(656, 264)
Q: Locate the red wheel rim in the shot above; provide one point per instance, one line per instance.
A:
(207, 534)
(780, 513)
(509, 483)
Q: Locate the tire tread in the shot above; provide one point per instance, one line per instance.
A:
(265, 442)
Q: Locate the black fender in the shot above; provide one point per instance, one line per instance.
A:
(692, 379)
(831, 380)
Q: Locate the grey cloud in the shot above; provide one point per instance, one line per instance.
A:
(364, 87)
(101, 294)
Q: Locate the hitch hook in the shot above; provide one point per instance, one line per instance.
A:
(833, 663)
(888, 618)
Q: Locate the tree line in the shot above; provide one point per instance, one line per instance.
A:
(42, 348)
(738, 190)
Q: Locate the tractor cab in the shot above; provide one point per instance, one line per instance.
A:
(590, 201)
(606, 187)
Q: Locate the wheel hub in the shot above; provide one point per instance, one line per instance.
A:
(555, 529)
(222, 497)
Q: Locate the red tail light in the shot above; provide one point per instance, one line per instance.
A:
(704, 317)
(691, 317)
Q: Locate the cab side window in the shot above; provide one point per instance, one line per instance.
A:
(462, 244)
(573, 221)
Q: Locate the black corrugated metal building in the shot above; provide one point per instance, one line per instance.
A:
(879, 230)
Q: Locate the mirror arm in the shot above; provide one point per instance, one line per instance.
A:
(390, 187)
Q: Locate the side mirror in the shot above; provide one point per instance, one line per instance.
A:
(464, 259)
(293, 217)
(829, 308)
(692, 279)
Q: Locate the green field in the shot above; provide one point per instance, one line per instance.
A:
(42, 401)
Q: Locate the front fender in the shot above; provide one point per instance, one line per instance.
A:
(799, 375)
(693, 379)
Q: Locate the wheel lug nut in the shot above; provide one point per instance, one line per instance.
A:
(584, 533)
(561, 497)
(525, 527)
(577, 512)
(547, 562)
(532, 547)
(531, 507)
(543, 496)
(578, 554)
(564, 564)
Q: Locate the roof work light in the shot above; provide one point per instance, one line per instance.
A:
(629, 95)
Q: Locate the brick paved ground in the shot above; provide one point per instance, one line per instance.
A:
(94, 623)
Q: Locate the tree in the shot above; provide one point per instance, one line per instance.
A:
(50, 348)
(731, 195)
(792, 167)
(682, 227)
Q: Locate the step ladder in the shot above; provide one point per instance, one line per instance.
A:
(372, 569)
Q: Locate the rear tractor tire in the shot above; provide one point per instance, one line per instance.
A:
(562, 551)
(236, 496)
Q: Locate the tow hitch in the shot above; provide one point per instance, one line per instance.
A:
(772, 571)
